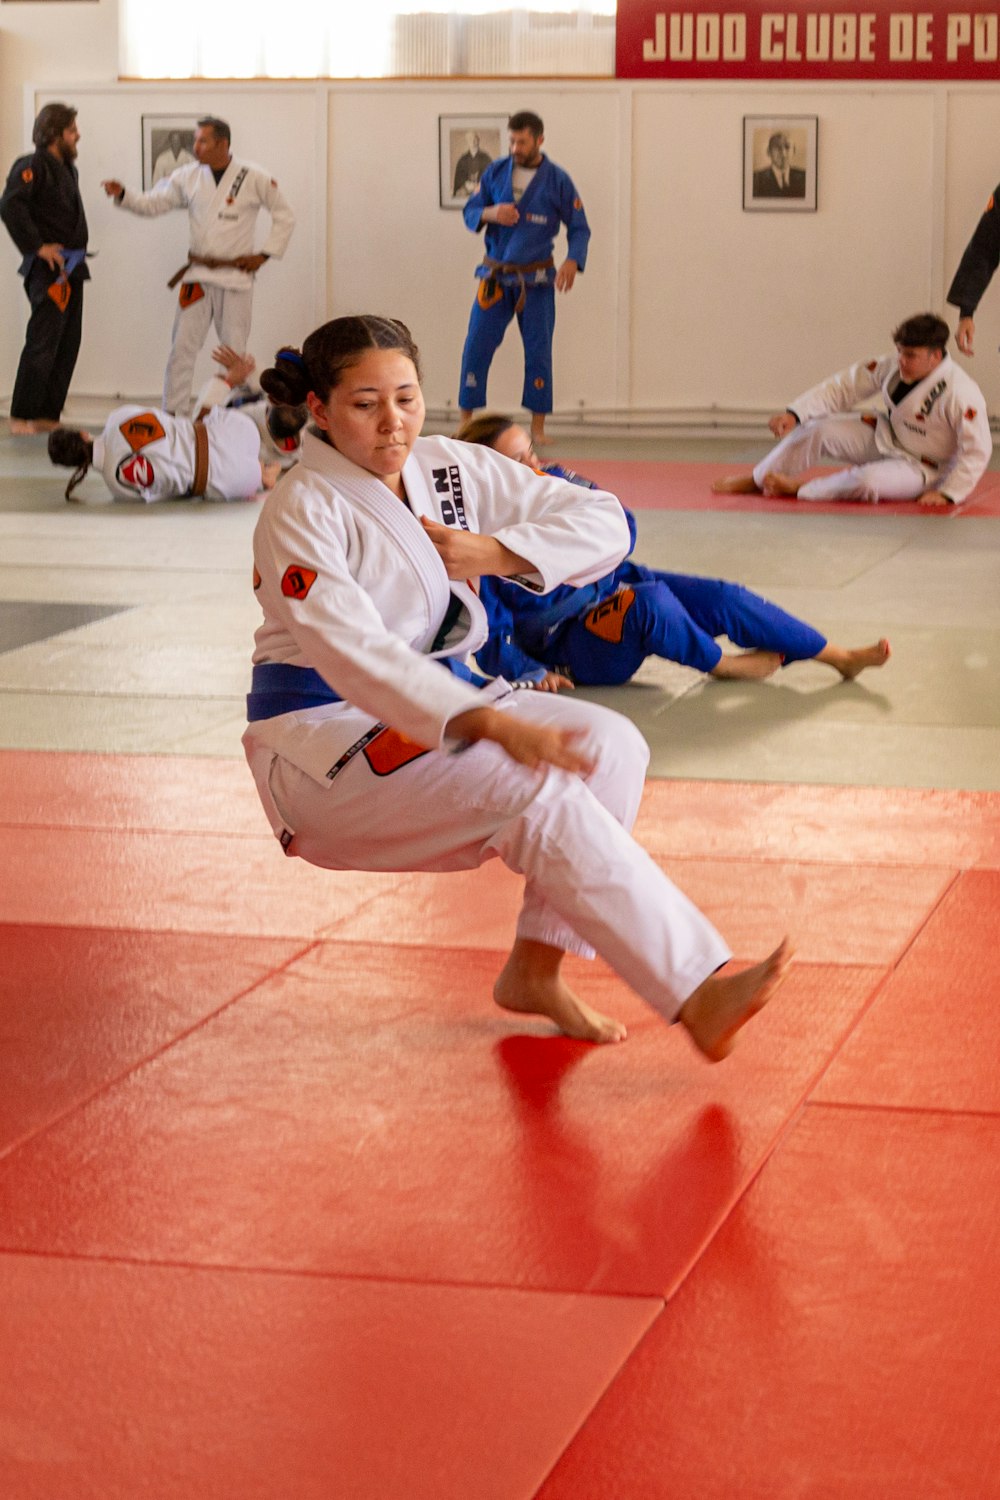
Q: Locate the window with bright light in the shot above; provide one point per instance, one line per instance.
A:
(372, 39)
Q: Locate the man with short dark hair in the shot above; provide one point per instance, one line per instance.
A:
(521, 201)
(930, 444)
(43, 212)
(223, 198)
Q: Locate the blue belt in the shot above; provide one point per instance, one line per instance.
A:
(276, 687)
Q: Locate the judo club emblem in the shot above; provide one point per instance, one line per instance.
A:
(27, 175)
(297, 581)
(145, 427)
(135, 472)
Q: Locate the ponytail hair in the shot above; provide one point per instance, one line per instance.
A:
(69, 448)
(319, 365)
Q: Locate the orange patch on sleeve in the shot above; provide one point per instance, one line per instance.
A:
(989, 206)
(970, 414)
(27, 175)
(142, 429)
(607, 620)
(390, 750)
(297, 581)
(257, 580)
(872, 364)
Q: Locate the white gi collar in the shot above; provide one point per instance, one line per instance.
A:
(400, 525)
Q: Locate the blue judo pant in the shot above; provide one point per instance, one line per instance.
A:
(676, 616)
(492, 311)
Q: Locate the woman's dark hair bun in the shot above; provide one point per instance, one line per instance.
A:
(287, 382)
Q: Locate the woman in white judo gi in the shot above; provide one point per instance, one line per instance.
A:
(371, 747)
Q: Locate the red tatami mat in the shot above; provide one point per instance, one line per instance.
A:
(835, 824)
(672, 486)
(833, 913)
(172, 1384)
(930, 1041)
(80, 1008)
(839, 1339)
(369, 1112)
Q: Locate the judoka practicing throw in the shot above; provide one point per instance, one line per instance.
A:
(372, 749)
(930, 443)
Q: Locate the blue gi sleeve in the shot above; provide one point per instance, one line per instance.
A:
(577, 229)
(501, 656)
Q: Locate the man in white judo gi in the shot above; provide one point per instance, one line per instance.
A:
(931, 442)
(223, 198)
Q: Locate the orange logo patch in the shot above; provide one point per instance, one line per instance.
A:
(607, 620)
(27, 175)
(970, 415)
(190, 293)
(539, 383)
(297, 581)
(989, 206)
(577, 203)
(59, 291)
(257, 580)
(139, 430)
(872, 364)
(390, 750)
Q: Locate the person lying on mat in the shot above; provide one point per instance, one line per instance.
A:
(370, 743)
(601, 634)
(931, 443)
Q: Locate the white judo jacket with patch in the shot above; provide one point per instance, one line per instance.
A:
(351, 586)
(223, 218)
(942, 422)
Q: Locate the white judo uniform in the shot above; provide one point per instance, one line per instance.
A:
(223, 220)
(351, 587)
(937, 437)
(146, 454)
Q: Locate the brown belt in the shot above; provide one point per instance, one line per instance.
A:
(211, 261)
(200, 481)
(505, 268)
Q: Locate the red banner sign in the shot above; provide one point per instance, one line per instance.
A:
(802, 41)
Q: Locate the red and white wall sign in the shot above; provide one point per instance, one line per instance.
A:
(802, 41)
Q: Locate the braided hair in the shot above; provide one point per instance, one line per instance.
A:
(69, 448)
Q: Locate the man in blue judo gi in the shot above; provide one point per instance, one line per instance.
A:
(521, 202)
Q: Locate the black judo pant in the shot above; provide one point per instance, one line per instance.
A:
(51, 345)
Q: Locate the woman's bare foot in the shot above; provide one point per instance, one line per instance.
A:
(781, 486)
(735, 484)
(849, 662)
(724, 1003)
(530, 984)
(753, 664)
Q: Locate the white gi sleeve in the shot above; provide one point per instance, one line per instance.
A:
(845, 390)
(282, 217)
(973, 447)
(169, 193)
(339, 632)
(568, 534)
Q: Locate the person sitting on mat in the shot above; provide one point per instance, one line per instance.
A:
(931, 443)
(599, 635)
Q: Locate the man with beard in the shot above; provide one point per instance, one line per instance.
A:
(43, 212)
(521, 201)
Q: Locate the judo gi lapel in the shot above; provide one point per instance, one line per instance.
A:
(535, 185)
(472, 627)
(224, 186)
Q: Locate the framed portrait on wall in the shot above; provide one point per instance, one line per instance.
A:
(167, 143)
(779, 163)
(466, 146)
